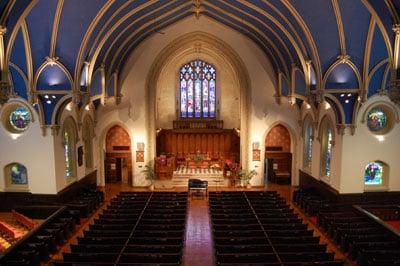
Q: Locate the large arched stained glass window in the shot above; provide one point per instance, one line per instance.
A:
(197, 90)
(326, 137)
(308, 143)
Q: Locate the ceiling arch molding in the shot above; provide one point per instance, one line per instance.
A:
(108, 34)
(382, 28)
(131, 36)
(52, 62)
(343, 60)
(80, 58)
(15, 30)
(314, 51)
(276, 35)
(340, 115)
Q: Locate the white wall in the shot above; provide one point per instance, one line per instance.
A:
(364, 147)
(34, 151)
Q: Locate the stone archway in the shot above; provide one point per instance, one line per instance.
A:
(198, 45)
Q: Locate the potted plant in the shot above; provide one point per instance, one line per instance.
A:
(246, 176)
(150, 175)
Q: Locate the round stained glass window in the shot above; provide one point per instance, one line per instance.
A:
(20, 118)
(377, 120)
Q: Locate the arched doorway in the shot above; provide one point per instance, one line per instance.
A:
(118, 159)
(278, 156)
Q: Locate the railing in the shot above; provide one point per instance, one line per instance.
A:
(198, 124)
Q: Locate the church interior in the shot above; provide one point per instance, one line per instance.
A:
(199, 132)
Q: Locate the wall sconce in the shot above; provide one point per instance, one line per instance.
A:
(256, 151)
(140, 152)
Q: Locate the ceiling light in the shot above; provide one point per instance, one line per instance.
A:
(46, 96)
(347, 101)
(48, 102)
(348, 95)
(342, 95)
(53, 96)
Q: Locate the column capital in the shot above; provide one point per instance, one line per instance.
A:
(396, 29)
(3, 30)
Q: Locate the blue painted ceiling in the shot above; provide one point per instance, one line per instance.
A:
(290, 33)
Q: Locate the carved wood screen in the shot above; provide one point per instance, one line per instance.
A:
(217, 143)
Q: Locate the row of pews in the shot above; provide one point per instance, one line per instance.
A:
(259, 228)
(134, 229)
(362, 236)
(59, 224)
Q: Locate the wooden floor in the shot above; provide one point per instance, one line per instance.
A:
(198, 243)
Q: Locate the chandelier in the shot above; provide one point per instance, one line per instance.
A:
(394, 91)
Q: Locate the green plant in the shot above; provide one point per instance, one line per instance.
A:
(149, 173)
(246, 175)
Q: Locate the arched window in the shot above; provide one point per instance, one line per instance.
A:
(308, 143)
(69, 144)
(374, 173)
(326, 139)
(197, 90)
(16, 176)
(88, 134)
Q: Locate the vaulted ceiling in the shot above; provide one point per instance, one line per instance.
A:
(341, 49)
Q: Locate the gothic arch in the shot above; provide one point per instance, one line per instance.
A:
(199, 43)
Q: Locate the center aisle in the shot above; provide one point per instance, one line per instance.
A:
(198, 248)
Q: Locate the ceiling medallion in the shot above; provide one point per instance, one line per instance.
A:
(394, 91)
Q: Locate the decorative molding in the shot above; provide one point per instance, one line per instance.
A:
(310, 39)
(342, 37)
(85, 40)
(340, 129)
(396, 57)
(197, 8)
(54, 33)
(55, 130)
(276, 35)
(6, 12)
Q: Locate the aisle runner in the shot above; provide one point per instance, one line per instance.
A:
(186, 172)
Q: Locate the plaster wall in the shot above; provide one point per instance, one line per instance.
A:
(364, 147)
(34, 151)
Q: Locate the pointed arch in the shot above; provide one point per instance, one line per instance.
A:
(343, 74)
(53, 75)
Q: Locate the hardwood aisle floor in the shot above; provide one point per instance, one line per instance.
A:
(198, 249)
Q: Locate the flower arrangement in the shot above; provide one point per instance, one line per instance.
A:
(246, 175)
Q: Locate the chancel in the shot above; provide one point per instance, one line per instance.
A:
(199, 132)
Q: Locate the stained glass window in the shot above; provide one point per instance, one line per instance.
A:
(377, 119)
(20, 118)
(373, 174)
(197, 90)
(18, 174)
(69, 138)
(326, 148)
(308, 143)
